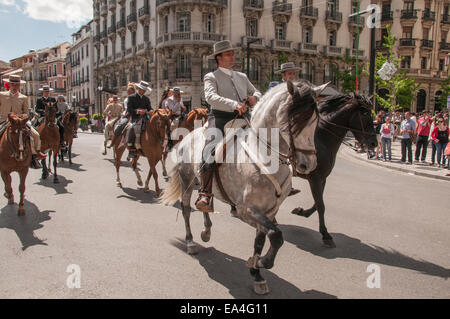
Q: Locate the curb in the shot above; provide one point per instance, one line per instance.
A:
(348, 152)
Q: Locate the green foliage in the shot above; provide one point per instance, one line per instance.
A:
(97, 116)
(347, 76)
(84, 120)
(445, 88)
(402, 89)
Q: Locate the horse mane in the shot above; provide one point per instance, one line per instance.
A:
(300, 115)
(337, 102)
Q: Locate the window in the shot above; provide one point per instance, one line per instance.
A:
(407, 32)
(122, 44)
(306, 71)
(406, 62)
(184, 22)
(423, 63)
(146, 33)
(183, 66)
(56, 85)
(280, 31)
(133, 39)
(254, 69)
(408, 5)
(209, 23)
(87, 50)
(308, 35)
(208, 65)
(441, 64)
(332, 38)
(252, 27)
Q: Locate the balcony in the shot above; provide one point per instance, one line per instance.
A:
(144, 14)
(112, 5)
(333, 19)
(122, 2)
(281, 45)
(445, 22)
(407, 43)
(254, 5)
(428, 15)
(309, 16)
(183, 73)
(332, 51)
(445, 46)
(112, 30)
(96, 15)
(185, 38)
(307, 48)
(131, 20)
(387, 16)
(103, 34)
(120, 26)
(160, 4)
(427, 44)
(104, 10)
(281, 11)
(258, 44)
(408, 17)
(380, 46)
(352, 53)
(353, 23)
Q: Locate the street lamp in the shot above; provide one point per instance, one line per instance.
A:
(99, 118)
(372, 47)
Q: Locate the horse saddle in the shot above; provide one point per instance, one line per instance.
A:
(222, 146)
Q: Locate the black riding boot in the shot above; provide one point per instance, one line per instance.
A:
(131, 147)
(205, 201)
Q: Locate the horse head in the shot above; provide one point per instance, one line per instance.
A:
(160, 124)
(361, 121)
(300, 126)
(50, 114)
(18, 136)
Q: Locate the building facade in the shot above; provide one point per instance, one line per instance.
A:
(421, 29)
(167, 42)
(80, 61)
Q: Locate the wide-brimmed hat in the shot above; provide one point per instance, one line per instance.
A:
(61, 97)
(177, 90)
(15, 79)
(221, 47)
(143, 86)
(287, 67)
(45, 88)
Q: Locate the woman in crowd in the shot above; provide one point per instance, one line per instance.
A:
(387, 132)
(440, 136)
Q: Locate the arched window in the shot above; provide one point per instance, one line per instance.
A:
(306, 71)
(183, 66)
(437, 101)
(254, 69)
(421, 100)
(208, 65)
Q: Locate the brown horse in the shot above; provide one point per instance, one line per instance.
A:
(70, 123)
(49, 132)
(152, 140)
(15, 156)
(188, 123)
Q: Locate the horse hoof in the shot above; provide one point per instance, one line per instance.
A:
(298, 212)
(56, 181)
(158, 193)
(45, 176)
(192, 249)
(206, 236)
(140, 184)
(21, 212)
(261, 287)
(329, 243)
(254, 262)
(147, 190)
(119, 184)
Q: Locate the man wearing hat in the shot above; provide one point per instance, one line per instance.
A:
(61, 109)
(138, 105)
(175, 106)
(287, 71)
(15, 102)
(43, 101)
(112, 114)
(229, 93)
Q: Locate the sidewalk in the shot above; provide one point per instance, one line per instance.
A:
(419, 169)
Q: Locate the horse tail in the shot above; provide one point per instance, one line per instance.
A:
(174, 191)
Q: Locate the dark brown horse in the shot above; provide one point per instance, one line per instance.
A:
(200, 114)
(15, 156)
(70, 123)
(152, 140)
(49, 132)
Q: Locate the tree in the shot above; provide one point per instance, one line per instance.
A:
(445, 88)
(402, 89)
(347, 76)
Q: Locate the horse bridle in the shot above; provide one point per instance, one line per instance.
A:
(23, 133)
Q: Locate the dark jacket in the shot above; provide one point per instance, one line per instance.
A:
(136, 102)
(40, 106)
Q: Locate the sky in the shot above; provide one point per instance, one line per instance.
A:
(37, 24)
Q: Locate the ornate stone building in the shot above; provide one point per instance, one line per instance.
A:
(421, 29)
(167, 42)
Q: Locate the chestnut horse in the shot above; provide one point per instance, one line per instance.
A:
(152, 141)
(15, 156)
(70, 123)
(49, 132)
(200, 114)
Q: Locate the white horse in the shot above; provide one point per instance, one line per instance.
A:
(252, 189)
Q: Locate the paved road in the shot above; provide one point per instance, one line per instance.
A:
(128, 246)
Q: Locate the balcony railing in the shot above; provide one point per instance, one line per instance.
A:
(407, 42)
(254, 5)
(429, 15)
(446, 18)
(307, 47)
(184, 74)
(103, 34)
(104, 10)
(281, 44)
(354, 21)
(112, 5)
(222, 3)
(380, 45)
(309, 12)
(281, 8)
(144, 11)
(445, 46)
(333, 16)
(387, 16)
(258, 41)
(131, 18)
(409, 14)
(120, 25)
(112, 29)
(188, 36)
(427, 44)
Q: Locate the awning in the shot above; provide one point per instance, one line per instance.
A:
(13, 72)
